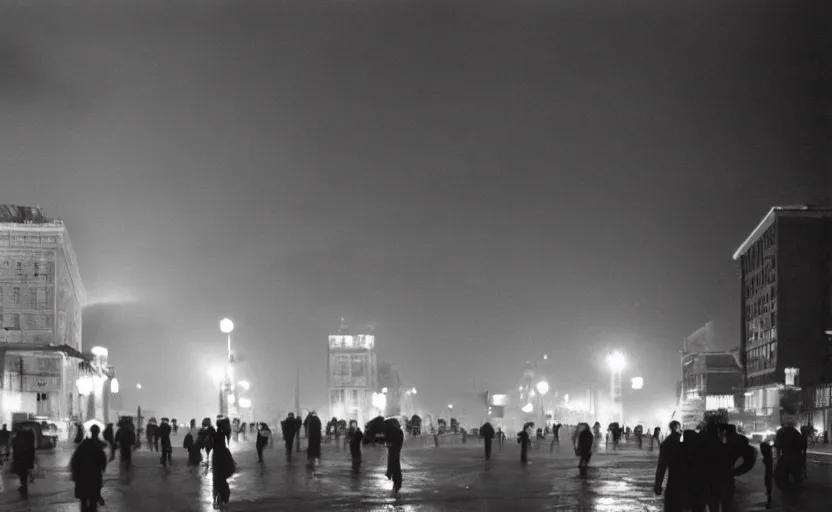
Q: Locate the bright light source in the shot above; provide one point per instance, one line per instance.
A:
(98, 384)
(450, 406)
(217, 373)
(379, 401)
(114, 385)
(138, 386)
(566, 398)
(85, 385)
(520, 388)
(413, 391)
(638, 383)
(545, 356)
(232, 399)
(528, 408)
(99, 351)
(245, 403)
(246, 385)
(542, 387)
(615, 360)
(384, 390)
(226, 326)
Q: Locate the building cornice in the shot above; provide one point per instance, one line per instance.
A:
(773, 213)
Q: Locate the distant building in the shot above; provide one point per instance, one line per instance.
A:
(389, 379)
(786, 290)
(41, 295)
(351, 375)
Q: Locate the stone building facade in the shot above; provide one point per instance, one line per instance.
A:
(41, 296)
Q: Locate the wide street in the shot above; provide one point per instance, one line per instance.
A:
(451, 478)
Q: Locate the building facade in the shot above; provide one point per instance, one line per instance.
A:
(41, 295)
(352, 376)
(786, 290)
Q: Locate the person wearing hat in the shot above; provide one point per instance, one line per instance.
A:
(88, 464)
(164, 435)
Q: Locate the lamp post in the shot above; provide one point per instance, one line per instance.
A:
(615, 362)
(227, 398)
(542, 389)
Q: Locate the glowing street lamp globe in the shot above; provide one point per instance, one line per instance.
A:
(638, 383)
(85, 385)
(246, 385)
(114, 386)
(542, 387)
(226, 326)
(615, 361)
(217, 373)
(245, 403)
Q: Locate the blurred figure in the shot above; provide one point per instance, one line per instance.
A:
(23, 459)
(355, 436)
(223, 427)
(5, 441)
(289, 430)
(583, 441)
(313, 433)
(767, 453)
(790, 446)
(394, 437)
(88, 464)
(264, 435)
(126, 441)
(79, 432)
(163, 434)
(223, 467)
(524, 439)
(693, 472)
(191, 444)
(670, 462)
(487, 433)
(205, 440)
(110, 438)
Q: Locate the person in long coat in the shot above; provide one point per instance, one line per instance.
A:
(487, 433)
(670, 462)
(524, 440)
(264, 435)
(191, 443)
(88, 464)
(23, 458)
(355, 437)
(126, 442)
(313, 432)
(394, 437)
(584, 443)
(163, 434)
(223, 466)
(694, 478)
(289, 429)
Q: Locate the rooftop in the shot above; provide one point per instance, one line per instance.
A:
(792, 211)
(16, 214)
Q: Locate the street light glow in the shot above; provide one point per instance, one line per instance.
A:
(246, 385)
(114, 385)
(138, 386)
(226, 326)
(638, 383)
(528, 408)
(245, 403)
(379, 401)
(217, 373)
(450, 406)
(85, 385)
(542, 387)
(615, 360)
(384, 390)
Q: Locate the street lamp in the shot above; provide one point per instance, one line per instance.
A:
(379, 401)
(114, 386)
(450, 410)
(138, 386)
(638, 383)
(226, 327)
(542, 389)
(246, 385)
(616, 363)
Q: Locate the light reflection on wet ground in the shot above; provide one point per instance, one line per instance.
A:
(436, 480)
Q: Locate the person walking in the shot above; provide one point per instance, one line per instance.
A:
(264, 435)
(355, 436)
(87, 465)
(524, 439)
(487, 433)
(110, 438)
(313, 432)
(23, 459)
(583, 442)
(288, 428)
(767, 453)
(394, 438)
(5, 441)
(223, 466)
(670, 462)
(126, 442)
(164, 436)
(192, 444)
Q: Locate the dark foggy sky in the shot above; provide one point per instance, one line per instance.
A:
(485, 181)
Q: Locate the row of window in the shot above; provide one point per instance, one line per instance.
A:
(27, 239)
(346, 366)
(25, 322)
(18, 268)
(338, 396)
(761, 357)
(32, 297)
(765, 244)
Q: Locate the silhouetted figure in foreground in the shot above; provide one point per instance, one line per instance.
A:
(693, 472)
(583, 442)
(355, 436)
(191, 443)
(524, 439)
(23, 458)
(395, 440)
(313, 432)
(289, 429)
(487, 433)
(223, 467)
(670, 462)
(163, 432)
(126, 442)
(88, 464)
(264, 435)
(790, 446)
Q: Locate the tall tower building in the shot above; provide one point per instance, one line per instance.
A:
(41, 296)
(352, 375)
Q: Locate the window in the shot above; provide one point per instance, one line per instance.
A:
(11, 322)
(18, 268)
(15, 295)
(33, 298)
(37, 269)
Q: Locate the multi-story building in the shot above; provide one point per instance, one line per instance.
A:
(786, 290)
(41, 295)
(352, 375)
(390, 383)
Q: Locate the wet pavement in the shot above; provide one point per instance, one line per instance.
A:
(446, 479)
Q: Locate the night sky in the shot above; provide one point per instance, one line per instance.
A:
(482, 181)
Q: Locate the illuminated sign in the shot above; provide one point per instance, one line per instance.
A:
(361, 341)
(499, 400)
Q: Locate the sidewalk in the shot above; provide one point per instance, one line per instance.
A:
(820, 449)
